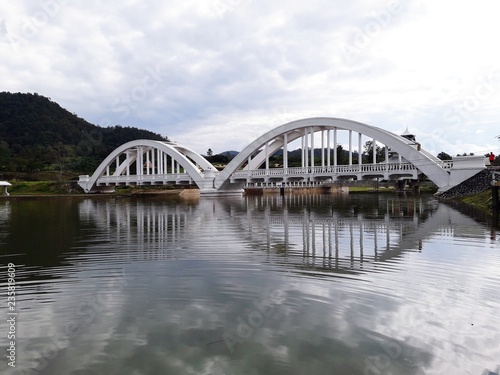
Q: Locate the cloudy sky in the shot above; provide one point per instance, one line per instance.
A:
(219, 73)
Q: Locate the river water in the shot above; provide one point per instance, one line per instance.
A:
(301, 284)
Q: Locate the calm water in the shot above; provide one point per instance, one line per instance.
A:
(359, 284)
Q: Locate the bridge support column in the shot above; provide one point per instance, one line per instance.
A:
(335, 147)
(374, 145)
(322, 148)
(360, 154)
(266, 150)
(128, 162)
(312, 147)
(350, 147)
(306, 149)
(139, 162)
(285, 151)
(328, 148)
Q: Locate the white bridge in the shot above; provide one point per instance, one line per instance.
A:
(148, 162)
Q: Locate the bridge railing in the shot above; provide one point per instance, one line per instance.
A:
(143, 178)
(464, 162)
(338, 169)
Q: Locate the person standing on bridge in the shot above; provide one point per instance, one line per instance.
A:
(492, 158)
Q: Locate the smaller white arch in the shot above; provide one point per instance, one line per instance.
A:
(180, 154)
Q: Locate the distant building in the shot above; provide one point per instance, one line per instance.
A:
(393, 155)
(408, 135)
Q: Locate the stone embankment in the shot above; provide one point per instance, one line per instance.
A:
(474, 185)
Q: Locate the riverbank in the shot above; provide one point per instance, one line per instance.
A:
(44, 188)
(480, 201)
(475, 192)
(71, 188)
(27, 189)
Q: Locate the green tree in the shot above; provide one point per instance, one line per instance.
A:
(444, 156)
(61, 154)
(379, 152)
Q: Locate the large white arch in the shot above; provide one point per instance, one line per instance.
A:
(180, 154)
(424, 161)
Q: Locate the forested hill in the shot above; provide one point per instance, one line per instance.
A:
(36, 134)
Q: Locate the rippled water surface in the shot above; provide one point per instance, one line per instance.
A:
(305, 284)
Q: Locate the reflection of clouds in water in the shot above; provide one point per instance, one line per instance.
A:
(75, 328)
(416, 328)
(446, 315)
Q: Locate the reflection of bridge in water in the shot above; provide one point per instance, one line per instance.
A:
(302, 232)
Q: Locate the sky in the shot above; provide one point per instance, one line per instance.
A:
(219, 73)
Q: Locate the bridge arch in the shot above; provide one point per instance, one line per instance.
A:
(143, 162)
(255, 154)
(154, 157)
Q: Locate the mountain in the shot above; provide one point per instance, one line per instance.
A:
(38, 135)
(230, 154)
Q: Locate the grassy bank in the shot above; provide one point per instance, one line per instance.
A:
(71, 188)
(481, 201)
(43, 188)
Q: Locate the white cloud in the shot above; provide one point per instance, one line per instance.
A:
(228, 67)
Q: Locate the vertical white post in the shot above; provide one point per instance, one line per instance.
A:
(302, 151)
(178, 168)
(128, 163)
(328, 148)
(147, 162)
(306, 145)
(386, 154)
(138, 161)
(160, 162)
(153, 161)
(360, 153)
(335, 147)
(312, 147)
(350, 147)
(322, 148)
(172, 165)
(285, 150)
(107, 171)
(374, 151)
(266, 152)
(164, 163)
(117, 163)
